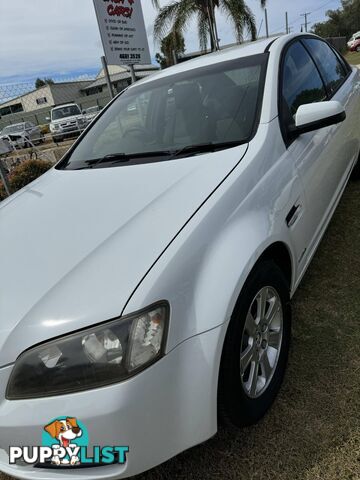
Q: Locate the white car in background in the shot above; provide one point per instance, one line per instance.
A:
(91, 112)
(5, 146)
(166, 247)
(66, 121)
(23, 135)
(353, 39)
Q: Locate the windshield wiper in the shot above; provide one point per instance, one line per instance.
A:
(205, 147)
(124, 157)
(189, 149)
(113, 157)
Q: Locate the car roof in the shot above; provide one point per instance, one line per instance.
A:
(65, 105)
(15, 124)
(275, 43)
(231, 53)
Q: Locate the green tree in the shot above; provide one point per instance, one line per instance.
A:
(42, 82)
(173, 42)
(176, 16)
(39, 83)
(343, 21)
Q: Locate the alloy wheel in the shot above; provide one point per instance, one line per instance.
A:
(261, 342)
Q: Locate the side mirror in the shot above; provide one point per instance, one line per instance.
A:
(84, 112)
(47, 119)
(314, 116)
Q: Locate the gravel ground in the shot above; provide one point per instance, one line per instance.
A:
(313, 430)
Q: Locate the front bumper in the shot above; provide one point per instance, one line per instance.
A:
(68, 133)
(164, 410)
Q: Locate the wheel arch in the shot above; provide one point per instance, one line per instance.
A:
(280, 254)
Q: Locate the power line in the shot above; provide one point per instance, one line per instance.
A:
(293, 22)
(324, 5)
(305, 15)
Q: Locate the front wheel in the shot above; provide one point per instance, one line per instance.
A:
(355, 175)
(256, 347)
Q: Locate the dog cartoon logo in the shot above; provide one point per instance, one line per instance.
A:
(65, 444)
(65, 432)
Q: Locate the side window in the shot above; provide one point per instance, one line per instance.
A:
(329, 65)
(301, 82)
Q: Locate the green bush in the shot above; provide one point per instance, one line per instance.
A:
(2, 191)
(23, 174)
(45, 129)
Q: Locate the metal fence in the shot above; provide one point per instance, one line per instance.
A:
(28, 105)
(42, 121)
(339, 43)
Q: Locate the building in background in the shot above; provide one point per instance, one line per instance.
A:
(46, 96)
(120, 78)
(23, 103)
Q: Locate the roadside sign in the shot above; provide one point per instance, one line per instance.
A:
(122, 30)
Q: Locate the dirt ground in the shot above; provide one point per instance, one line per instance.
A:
(313, 430)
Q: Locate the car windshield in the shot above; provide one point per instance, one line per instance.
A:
(64, 112)
(216, 105)
(20, 127)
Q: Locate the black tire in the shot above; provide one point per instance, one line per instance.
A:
(235, 406)
(355, 175)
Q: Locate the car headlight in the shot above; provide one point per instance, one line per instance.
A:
(54, 128)
(91, 358)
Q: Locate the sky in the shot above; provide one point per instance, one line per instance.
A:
(60, 38)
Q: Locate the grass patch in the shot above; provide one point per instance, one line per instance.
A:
(353, 58)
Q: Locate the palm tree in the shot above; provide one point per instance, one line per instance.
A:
(177, 15)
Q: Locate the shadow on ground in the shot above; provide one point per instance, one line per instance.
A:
(313, 430)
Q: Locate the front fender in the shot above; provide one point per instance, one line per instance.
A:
(203, 270)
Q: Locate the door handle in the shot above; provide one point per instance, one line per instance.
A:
(293, 215)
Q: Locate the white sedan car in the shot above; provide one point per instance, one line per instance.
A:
(22, 135)
(151, 298)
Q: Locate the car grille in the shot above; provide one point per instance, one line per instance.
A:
(69, 125)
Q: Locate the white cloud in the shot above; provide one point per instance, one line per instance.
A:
(43, 36)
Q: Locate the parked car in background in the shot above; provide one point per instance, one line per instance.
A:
(91, 112)
(23, 135)
(66, 121)
(166, 246)
(351, 41)
(5, 146)
(355, 47)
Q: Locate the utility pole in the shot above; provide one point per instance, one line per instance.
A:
(132, 72)
(215, 25)
(107, 76)
(212, 24)
(287, 22)
(266, 23)
(305, 15)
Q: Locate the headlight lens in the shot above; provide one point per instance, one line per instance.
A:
(92, 358)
